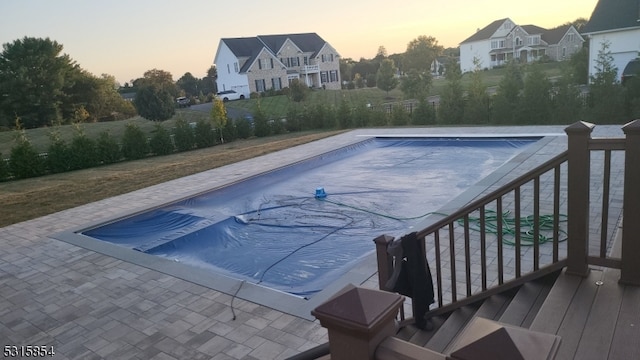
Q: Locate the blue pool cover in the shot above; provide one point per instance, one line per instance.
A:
(273, 230)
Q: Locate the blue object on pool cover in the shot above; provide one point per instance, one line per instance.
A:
(275, 230)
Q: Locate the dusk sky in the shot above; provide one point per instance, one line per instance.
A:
(125, 38)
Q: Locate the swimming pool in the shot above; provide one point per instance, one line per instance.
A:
(273, 230)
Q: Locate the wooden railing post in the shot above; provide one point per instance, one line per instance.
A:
(630, 269)
(385, 261)
(578, 178)
(358, 320)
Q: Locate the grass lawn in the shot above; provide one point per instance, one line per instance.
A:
(31, 198)
(40, 137)
(276, 106)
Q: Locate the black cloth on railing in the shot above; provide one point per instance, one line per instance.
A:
(414, 279)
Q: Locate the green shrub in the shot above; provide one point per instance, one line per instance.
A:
(183, 136)
(205, 137)
(344, 115)
(82, 152)
(243, 128)
(378, 118)
(230, 131)
(160, 142)
(293, 119)
(134, 143)
(107, 148)
(277, 126)
(58, 155)
(423, 114)
(4, 169)
(261, 124)
(399, 116)
(25, 161)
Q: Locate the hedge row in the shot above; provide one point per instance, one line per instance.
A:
(84, 152)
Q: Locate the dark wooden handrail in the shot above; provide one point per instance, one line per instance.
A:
(507, 188)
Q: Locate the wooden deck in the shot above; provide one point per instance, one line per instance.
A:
(595, 316)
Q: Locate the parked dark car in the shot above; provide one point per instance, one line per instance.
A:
(183, 101)
(632, 69)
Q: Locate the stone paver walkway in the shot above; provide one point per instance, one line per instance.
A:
(89, 305)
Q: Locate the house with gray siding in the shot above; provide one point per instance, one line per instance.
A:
(257, 64)
(503, 40)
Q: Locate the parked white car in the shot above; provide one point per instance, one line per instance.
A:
(229, 95)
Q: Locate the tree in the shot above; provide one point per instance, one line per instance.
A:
(107, 148)
(507, 98)
(535, 104)
(416, 85)
(154, 103)
(346, 69)
(579, 62)
(33, 74)
(381, 53)
(160, 142)
(423, 114)
(189, 84)
(386, 77)
(207, 85)
(357, 79)
(297, 90)
(134, 142)
(566, 100)
(476, 109)
(82, 150)
(421, 52)
(261, 124)
(95, 95)
(451, 109)
(183, 135)
(57, 153)
(160, 78)
(606, 99)
(24, 161)
(219, 116)
(344, 114)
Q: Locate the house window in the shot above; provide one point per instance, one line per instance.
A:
(331, 56)
(333, 75)
(497, 44)
(323, 77)
(323, 57)
(228, 69)
(276, 83)
(518, 41)
(564, 52)
(260, 85)
(235, 67)
(260, 64)
(306, 60)
(271, 62)
(571, 37)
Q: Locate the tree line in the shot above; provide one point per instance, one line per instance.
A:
(42, 86)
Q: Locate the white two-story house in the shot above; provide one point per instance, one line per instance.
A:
(503, 40)
(617, 23)
(257, 64)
